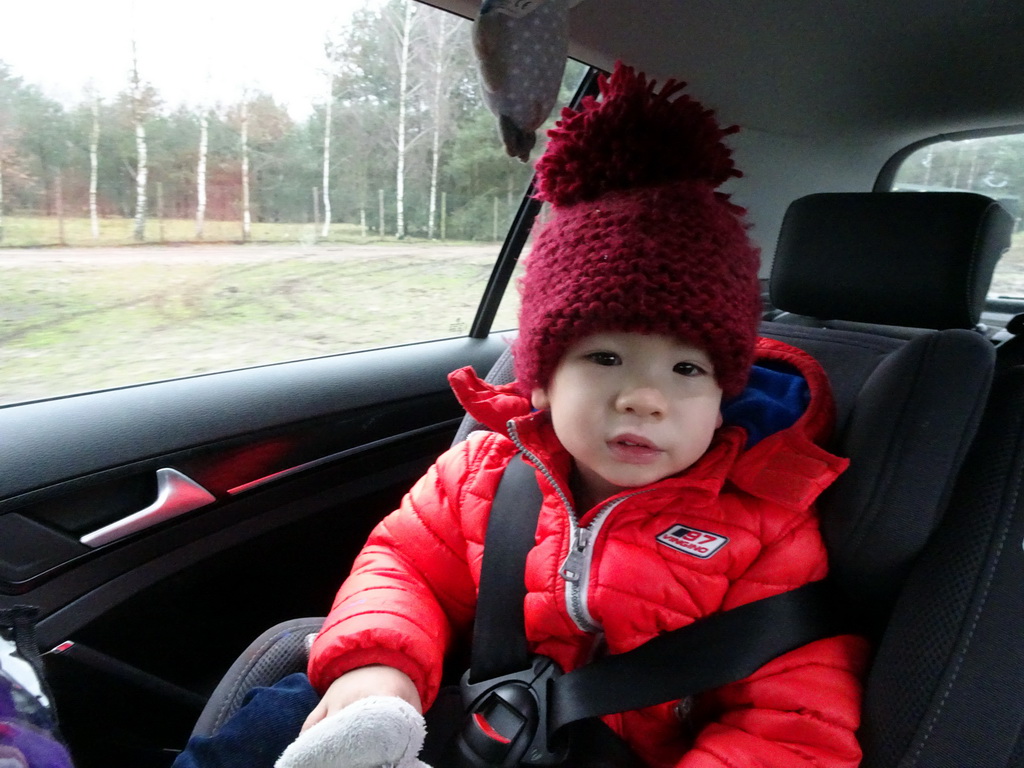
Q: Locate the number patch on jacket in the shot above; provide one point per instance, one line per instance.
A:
(692, 541)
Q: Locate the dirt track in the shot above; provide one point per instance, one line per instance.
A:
(237, 254)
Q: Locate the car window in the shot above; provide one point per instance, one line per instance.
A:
(172, 208)
(992, 166)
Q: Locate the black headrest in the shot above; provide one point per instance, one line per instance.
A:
(917, 259)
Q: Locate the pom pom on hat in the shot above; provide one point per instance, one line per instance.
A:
(640, 239)
(634, 137)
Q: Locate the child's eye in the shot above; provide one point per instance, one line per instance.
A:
(604, 358)
(689, 369)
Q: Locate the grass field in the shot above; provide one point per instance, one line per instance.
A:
(80, 319)
(76, 319)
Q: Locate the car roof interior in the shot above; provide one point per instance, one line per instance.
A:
(841, 87)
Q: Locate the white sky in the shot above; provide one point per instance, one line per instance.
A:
(63, 45)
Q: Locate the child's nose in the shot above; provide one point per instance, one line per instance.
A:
(641, 401)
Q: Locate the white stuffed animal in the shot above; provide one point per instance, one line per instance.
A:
(375, 732)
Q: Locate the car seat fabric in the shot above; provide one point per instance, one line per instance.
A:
(906, 259)
(265, 725)
(280, 651)
(945, 688)
(906, 416)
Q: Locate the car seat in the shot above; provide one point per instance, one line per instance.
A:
(888, 262)
(945, 686)
(908, 408)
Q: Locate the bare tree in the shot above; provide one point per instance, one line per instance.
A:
(327, 153)
(142, 169)
(204, 146)
(7, 136)
(441, 31)
(94, 166)
(405, 38)
(246, 215)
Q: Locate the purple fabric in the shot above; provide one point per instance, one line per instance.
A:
(22, 743)
(34, 747)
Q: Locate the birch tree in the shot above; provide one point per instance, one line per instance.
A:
(94, 166)
(441, 31)
(141, 167)
(4, 118)
(404, 97)
(246, 214)
(8, 87)
(326, 185)
(204, 149)
(262, 163)
(380, 85)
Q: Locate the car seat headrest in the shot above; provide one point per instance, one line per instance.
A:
(915, 259)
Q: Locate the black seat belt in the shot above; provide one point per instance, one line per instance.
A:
(711, 652)
(499, 629)
(715, 650)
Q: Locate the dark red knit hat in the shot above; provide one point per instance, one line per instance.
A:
(639, 240)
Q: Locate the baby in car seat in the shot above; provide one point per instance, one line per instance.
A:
(678, 457)
(640, 308)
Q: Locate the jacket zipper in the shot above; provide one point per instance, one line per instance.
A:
(575, 570)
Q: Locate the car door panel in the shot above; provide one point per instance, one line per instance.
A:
(300, 461)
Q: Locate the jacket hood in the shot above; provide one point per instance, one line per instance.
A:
(770, 446)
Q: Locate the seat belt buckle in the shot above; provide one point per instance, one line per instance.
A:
(506, 721)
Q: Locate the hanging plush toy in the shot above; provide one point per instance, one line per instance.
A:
(521, 48)
(375, 732)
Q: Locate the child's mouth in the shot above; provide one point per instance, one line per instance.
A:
(633, 449)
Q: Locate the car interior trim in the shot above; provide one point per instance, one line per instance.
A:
(176, 495)
(315, 463)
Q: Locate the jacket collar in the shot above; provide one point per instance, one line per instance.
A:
(788, 467)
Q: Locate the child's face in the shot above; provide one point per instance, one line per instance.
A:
(631, 409)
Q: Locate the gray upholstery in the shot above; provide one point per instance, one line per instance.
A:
(280, 651)
(898, 259)
(907, 412)
(945, 686)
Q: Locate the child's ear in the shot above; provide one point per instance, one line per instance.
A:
(539, 399)
(720, 421)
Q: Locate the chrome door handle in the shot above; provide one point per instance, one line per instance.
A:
(176, 494)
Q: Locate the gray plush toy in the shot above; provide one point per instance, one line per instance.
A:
(375, 732)
(521, 48)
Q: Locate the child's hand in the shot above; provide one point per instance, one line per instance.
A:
(373, 732)
(374, 680)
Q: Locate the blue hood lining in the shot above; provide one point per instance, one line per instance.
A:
(775, 397)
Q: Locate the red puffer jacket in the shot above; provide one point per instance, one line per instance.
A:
(735, 527)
